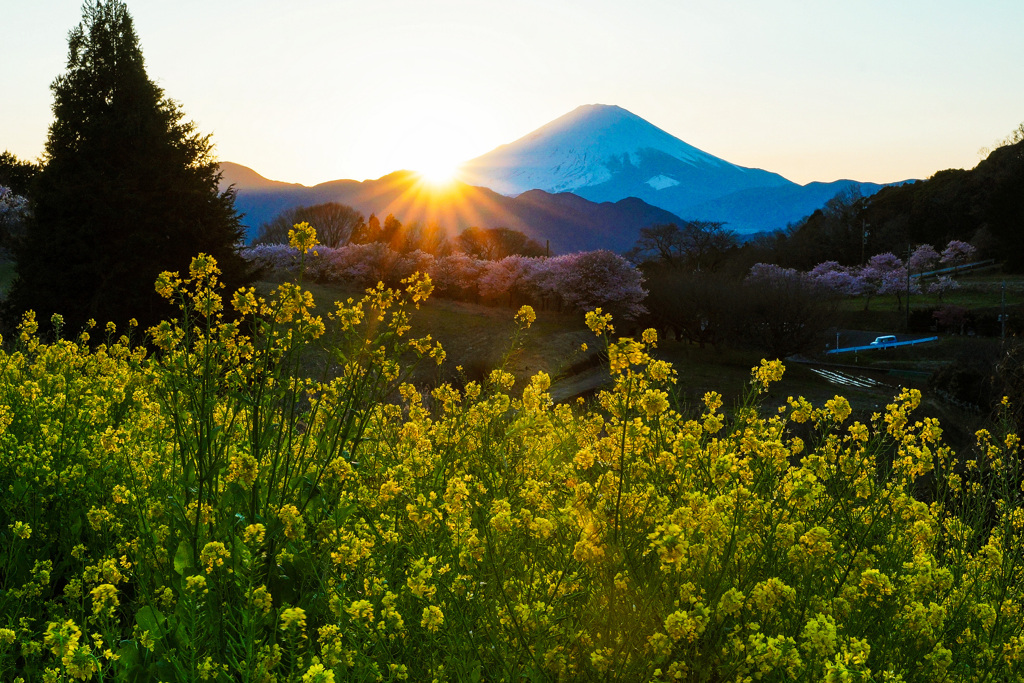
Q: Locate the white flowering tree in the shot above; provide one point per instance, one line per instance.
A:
(269, 257)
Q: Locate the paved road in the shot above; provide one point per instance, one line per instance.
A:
(848, 338)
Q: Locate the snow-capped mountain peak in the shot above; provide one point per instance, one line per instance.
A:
(578, 149)
(606, 153)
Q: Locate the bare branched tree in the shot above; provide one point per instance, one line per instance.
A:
(334, 224)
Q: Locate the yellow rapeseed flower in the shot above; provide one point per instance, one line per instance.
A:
(432, 619)
(526, 316)
(769, 371)
(293, 618)
(318, 674)
(598, 323)
(213, 555)
(254, 534)
(302, 236)
(261, 599)
(104, 599)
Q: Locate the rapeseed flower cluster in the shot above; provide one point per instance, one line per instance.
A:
(215, 511)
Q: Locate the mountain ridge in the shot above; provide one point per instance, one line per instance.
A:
(605, 153)
(602, 154)
(565, 220)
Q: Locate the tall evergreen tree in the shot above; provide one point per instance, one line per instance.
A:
(128, 188)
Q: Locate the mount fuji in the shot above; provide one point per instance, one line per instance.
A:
(605, 153)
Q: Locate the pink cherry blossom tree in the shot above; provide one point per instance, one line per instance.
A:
(838, 279)
(957, 253)
(363, 264)
(602, 279)
(881, 268)
(771, 274)
(942, 285)
(922, 259)
(455, 275)
(416, 261)
(542, 280)
(504, 278)
(897, 283)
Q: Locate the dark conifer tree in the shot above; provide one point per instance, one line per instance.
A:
(128, 188)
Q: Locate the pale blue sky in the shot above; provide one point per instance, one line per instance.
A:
(314, 90)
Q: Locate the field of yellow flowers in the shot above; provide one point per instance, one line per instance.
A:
(206, 512)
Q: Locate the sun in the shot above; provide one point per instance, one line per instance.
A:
(435, 147)
(437, 172)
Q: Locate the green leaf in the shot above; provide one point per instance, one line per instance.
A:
(183, 558)
(344, 512)
(241, 551)
(128, 659)
(149, 619)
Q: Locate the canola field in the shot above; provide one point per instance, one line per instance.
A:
(200, 509)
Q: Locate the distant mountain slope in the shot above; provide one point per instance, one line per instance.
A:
(748, 211)
(606, 153)
(569, 222)
(244, 178)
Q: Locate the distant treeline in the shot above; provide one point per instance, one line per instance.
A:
(337, 225)
(578, 282)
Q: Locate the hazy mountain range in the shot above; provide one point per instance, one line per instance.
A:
(604, 153)
(589, 179)
(568, 222)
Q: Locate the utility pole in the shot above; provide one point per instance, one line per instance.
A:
(1002, 314)
(863, 240)
(908, 287)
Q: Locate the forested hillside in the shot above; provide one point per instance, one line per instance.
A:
(983, 206)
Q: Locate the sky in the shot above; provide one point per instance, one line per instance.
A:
(314, 90)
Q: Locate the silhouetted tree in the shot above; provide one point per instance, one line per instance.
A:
(368, 232)
(661, 243)
(433, 239)
(698, 245)
(17, 175)
(705, 243)
(782, 311)
(335, 224)
(697, 307)
(496, 243)
(127, 189)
